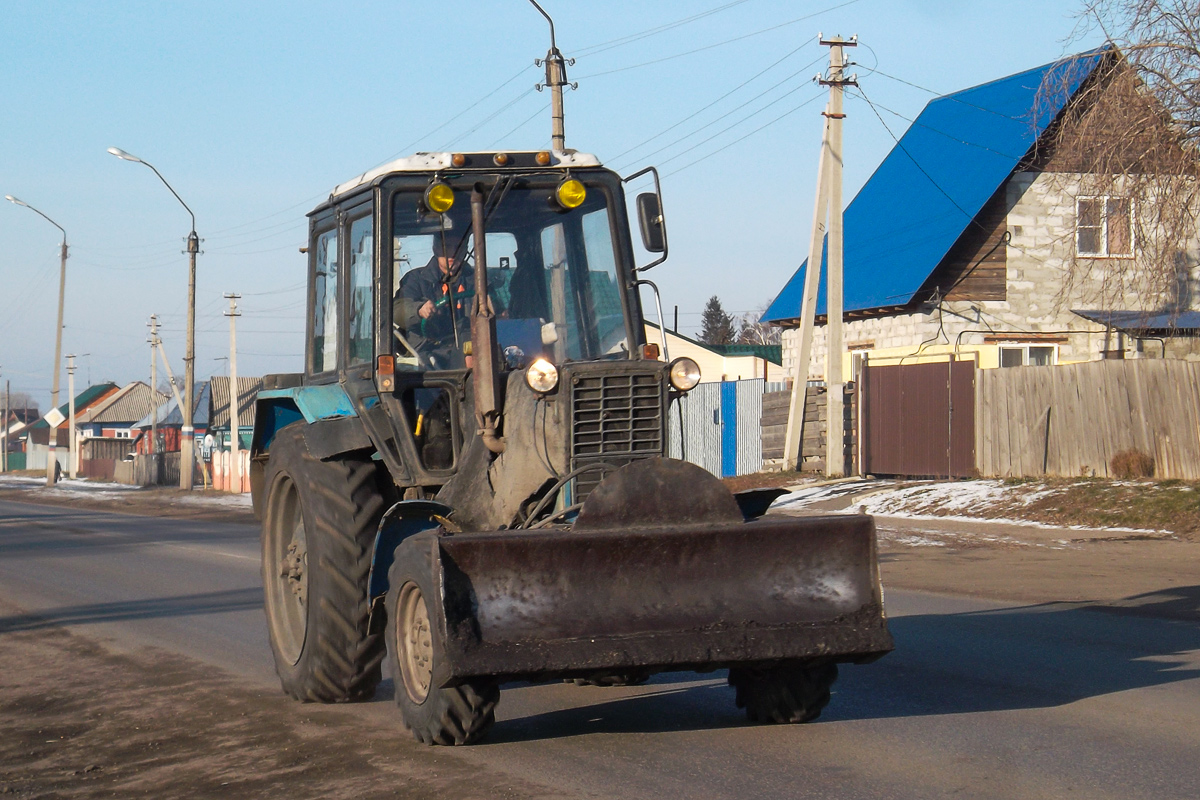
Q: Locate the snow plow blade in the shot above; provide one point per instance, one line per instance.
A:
(544, 604)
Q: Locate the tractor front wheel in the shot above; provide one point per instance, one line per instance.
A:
(785, 693)
(453, 715)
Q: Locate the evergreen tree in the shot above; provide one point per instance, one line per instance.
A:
(716, 326)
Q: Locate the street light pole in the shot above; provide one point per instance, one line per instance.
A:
(187, 439)
(52, 440)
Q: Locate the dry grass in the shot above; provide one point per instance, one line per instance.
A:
(1159, 505)
(1132, 464)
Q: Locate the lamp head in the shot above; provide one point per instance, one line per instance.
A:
(12, 199)
(121, 154)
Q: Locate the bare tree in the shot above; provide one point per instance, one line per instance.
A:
(752, 329)
(1125, 148)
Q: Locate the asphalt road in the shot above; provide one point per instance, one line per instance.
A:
(979, 700)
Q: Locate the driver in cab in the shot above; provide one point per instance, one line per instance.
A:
(434, 299)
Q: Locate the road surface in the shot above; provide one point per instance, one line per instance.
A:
(981, 699)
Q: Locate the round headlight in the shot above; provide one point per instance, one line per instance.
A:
(685, 374)
(439, 197)
(570, 194)
(542, 376)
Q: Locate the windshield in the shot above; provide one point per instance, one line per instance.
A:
(552, 279)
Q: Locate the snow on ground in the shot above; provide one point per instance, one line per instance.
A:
(807, 495)
(103, 490)
(211, 498)
(966, 501)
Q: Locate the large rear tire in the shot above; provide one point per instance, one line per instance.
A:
(318, 535)
(447, 716)
(788, 693)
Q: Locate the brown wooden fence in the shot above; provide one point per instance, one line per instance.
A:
(775, 408)
(98, 457)
(1071, 420)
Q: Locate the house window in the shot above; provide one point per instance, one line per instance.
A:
(1104, 227)
(1028, 355)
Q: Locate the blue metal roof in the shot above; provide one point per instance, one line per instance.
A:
(922, 197)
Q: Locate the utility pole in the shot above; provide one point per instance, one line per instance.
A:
(187, 444)
(556, 79)
(235, 463)
(7, 427)
(154, 387)
(828, 206)
(72, 444)
(4, 441)
(62, 284)
(162, 353)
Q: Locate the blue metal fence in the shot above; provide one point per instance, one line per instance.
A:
(718, 426)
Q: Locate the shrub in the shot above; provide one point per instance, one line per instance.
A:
(1132, 464)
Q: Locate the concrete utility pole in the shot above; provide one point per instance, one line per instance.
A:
(828, 205)
(235, 422)
(72, 443)
(7, 427)
(162, 353)
(4, 432)
(187, 443)
(556, 79)
(154, 385)
(52, 440)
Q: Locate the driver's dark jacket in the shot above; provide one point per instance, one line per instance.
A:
(429, 283)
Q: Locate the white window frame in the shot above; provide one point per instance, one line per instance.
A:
(1104, 217)
(1024, 350)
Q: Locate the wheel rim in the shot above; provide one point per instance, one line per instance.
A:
(414, 640)
(287, 572)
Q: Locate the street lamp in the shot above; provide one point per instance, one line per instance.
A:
(51, 459)
(187, 437)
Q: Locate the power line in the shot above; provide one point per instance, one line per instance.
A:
(634, 37)
(970, 217)
(930, 128)
(718, 100)
(722, 43)
(738, 108)
(528, 120)
(489, 118)
(746, 136)
(743, 119)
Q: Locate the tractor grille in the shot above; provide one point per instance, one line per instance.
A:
(617, 417)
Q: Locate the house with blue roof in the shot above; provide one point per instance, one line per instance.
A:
(961, 241)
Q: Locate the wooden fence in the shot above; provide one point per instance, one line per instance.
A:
(1071, 420)
(775, 408)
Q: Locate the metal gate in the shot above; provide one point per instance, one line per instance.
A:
(919, 419)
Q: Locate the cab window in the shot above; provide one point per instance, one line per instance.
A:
(361, 315)
(325, 318)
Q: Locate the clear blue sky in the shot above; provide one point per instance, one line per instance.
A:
(254, 111)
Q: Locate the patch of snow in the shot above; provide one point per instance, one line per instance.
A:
(217, 499)
(814, 494)
(940, 496)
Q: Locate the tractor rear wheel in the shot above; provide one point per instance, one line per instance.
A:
(318, 535)
(454, 715)
(786, 693)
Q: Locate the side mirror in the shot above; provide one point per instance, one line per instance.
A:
(650, 220)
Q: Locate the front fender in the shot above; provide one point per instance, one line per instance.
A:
(404, 519)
